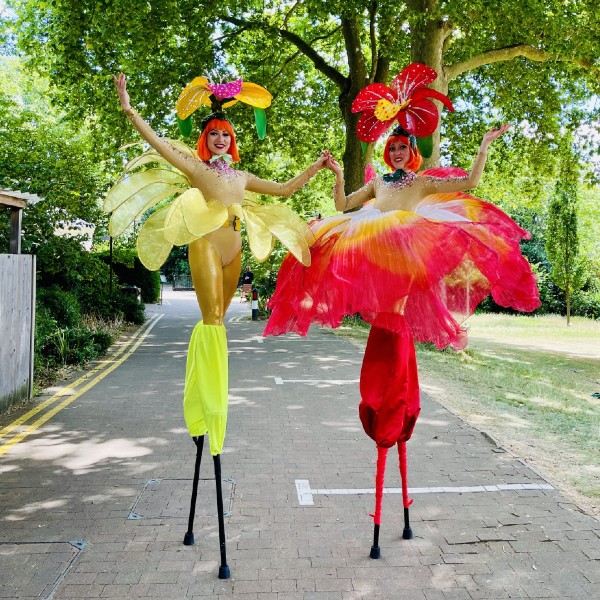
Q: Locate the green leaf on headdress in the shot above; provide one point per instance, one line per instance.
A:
(363, 147)
(425, 145)
(185, 126)
(260, 119)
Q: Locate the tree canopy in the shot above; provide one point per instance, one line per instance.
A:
(533, 62)
(43, 153)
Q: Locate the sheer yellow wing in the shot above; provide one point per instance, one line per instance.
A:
(191, 217)
(152, 246)
(264, 222)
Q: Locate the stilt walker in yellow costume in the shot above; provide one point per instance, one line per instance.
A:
(208, 200)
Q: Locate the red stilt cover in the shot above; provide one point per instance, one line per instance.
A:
(389, 387)
(379, 481)
(406, 502)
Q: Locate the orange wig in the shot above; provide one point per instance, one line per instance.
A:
(202, 147)
(415, 159)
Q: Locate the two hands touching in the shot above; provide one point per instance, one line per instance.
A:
(327, 161)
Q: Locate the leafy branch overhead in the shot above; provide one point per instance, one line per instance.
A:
(454, 42)
(534, 62)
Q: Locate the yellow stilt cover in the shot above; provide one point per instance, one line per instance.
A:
(207, 385)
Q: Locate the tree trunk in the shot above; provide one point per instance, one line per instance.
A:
(429, 35)
(568, 298)
(354, 161)
(353, 158)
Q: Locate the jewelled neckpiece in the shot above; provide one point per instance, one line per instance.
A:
(399, 178)
(223, 168)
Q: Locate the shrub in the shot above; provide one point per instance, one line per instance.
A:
(130, 307)
(148, 282)
(79, 346)
(586, 304)
(128, 269)
(102, 341)
(45, 324)
(62, 306)
(551, 296)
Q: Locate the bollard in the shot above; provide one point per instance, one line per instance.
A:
(254, 304)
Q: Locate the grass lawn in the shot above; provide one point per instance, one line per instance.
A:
(533, 384)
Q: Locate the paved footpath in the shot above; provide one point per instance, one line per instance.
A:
(95, 487)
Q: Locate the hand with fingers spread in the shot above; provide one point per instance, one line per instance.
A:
(494, 134)
(121, 85)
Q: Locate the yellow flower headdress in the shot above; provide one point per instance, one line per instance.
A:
(202, 92)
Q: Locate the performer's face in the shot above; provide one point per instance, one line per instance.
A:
(399, 154)
(218, 141)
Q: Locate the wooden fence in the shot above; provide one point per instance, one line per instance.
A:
(17, 325)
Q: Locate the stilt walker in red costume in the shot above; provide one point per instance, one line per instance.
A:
(196, 198)
(414, 262)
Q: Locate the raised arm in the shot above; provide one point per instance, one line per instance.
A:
(178, 159)
(357, 198)
(462, 184)
(263, 186)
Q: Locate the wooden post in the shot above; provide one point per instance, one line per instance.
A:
(16, 217)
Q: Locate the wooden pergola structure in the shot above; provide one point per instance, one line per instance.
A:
(16, 202)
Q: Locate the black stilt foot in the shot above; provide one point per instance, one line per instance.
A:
(375, 549)
(188, 539)
(407, 533)
(224, 572)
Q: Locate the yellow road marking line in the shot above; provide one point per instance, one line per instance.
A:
(4, 448)
(71, 388)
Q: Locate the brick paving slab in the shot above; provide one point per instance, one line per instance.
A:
(114, 468)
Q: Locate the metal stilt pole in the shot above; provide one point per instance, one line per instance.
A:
(188, 539)
(407, 534)
(223, 569)
(379, 480)
(375, 549)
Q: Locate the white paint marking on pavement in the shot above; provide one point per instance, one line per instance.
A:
(280, 381)
(239, 319)
(305, 493)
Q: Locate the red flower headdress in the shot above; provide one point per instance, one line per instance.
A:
(407, 100)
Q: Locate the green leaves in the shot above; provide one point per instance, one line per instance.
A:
(425, 146)
(43, 153)
(162, 45)
(260, 120)
(186, 126)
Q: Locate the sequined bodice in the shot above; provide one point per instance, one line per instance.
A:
(406, 193)
(220, 182)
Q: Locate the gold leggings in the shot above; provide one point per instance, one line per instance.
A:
(214, 282)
